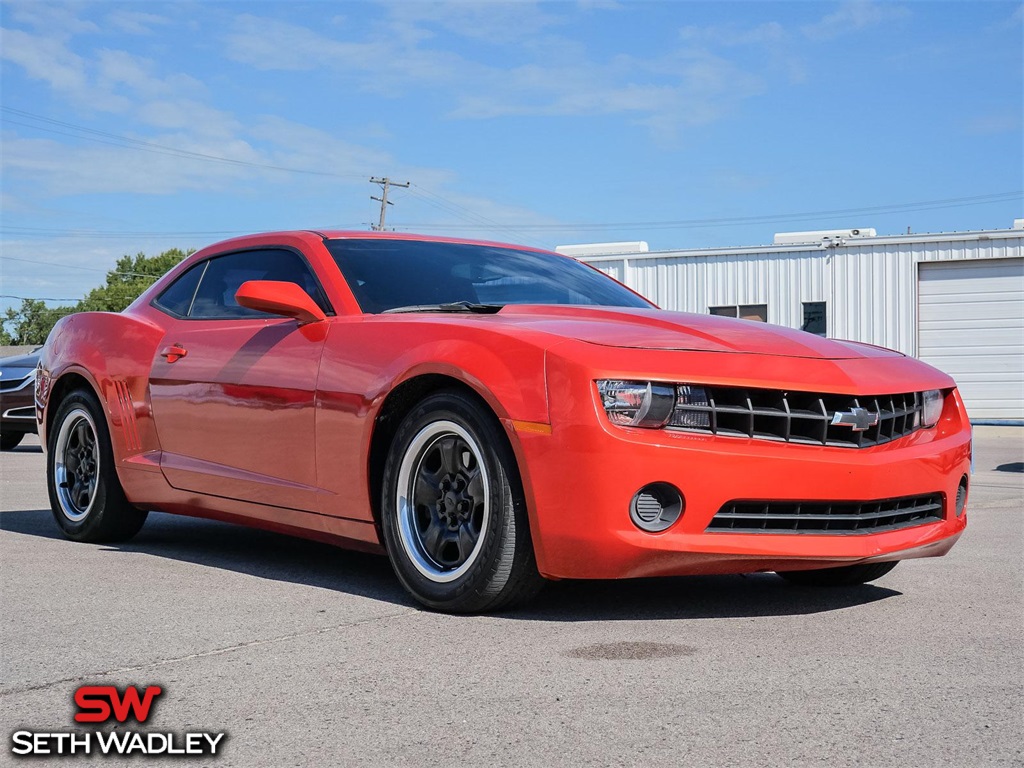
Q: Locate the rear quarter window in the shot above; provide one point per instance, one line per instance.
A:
(177, 298)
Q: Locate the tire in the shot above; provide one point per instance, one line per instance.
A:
(86, 497)
(844, 576)
(10, 440)
(453, 513)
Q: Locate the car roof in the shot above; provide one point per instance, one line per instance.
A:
(349, 234)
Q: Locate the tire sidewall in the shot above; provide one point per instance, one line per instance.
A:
(478, 583)
(107, 483)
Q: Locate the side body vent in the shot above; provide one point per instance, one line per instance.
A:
(126, 409)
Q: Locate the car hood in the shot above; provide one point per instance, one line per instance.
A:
(660, 329)
(19, 363)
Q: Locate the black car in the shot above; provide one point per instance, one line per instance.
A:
(17, 398)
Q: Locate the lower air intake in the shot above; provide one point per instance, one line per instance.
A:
(835, 517)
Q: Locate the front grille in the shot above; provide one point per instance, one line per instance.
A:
(836, 517)
(10, 385)
(794, 417)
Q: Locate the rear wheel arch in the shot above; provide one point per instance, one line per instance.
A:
(86, 496)
(67, 383)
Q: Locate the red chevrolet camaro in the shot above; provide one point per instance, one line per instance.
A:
(491, 416)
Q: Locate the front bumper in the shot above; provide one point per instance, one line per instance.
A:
(17, 405)
(580, 480)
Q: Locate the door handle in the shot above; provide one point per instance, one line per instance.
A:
(173, 353)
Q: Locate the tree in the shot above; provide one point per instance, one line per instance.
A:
(32, 322)
(129, 278)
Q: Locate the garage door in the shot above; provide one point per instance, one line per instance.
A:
(971, 325)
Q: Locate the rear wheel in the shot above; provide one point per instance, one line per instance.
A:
(86, 497)
(842, 576)
(10, 440)
(453, 515)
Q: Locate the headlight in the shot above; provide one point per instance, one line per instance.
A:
(932, 408)
(637, 403)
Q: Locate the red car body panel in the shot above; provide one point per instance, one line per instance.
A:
(271, 422)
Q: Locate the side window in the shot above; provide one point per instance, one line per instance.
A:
(176, 299)
(757, 312)
(215, 297)
(814, 318)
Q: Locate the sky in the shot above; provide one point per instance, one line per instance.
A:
(134, 127)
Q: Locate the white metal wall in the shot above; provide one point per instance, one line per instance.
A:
(971, 318)
(869, 285)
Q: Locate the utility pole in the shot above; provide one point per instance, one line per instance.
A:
(385, 184)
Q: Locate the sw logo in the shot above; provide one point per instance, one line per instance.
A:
(98, 703)
(105, 703)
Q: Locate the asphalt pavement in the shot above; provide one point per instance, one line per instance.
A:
(304, 654)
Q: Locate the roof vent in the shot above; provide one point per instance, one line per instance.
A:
(822, 236)
(602, 249)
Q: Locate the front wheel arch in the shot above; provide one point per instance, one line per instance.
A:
(498, 569)
(396, 406)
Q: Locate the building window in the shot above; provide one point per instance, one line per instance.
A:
(814, 318)
(757, 312)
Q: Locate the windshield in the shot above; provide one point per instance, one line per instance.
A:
(391, 274)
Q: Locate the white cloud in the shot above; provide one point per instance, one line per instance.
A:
(735, 35)
(195, 117)
(294, 145)
(854, 16)
(493, 22)
(991, 125)
(773, 41)
(269, 44)
(45, 59)
(135, 22)
(117, 69)
(59, 20)
(385, 63)
(57, 169)
(686, 87)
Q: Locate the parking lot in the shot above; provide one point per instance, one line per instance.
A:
(308, 655)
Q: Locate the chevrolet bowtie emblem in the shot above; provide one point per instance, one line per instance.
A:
(857, 419)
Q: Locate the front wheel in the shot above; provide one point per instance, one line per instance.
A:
(843, 576)
(86, 497)
(452, 513)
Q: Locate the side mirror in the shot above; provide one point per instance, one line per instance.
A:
(279, 298)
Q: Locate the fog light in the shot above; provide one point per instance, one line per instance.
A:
(961, 496)
(656, 507)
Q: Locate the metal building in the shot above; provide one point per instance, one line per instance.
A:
(955, 300)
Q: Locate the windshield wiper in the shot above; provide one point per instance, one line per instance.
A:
(455, 306)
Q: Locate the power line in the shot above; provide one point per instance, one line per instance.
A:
(33, 298)
(461, 211)
(51, 232)
(467, 214)
(777, 217)
(78, 266)
(127, 142)
(477, 221)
